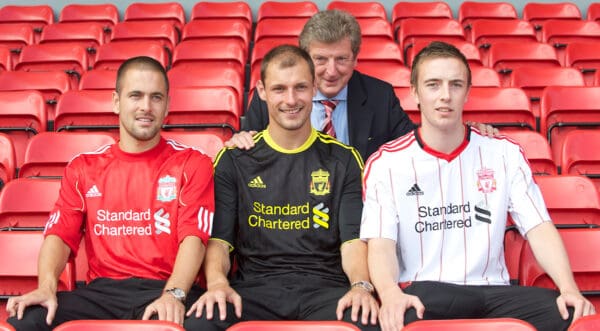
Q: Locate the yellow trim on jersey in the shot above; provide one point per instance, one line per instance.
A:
(349, 241)
(269, 140)
(231, 248)
(330, 140)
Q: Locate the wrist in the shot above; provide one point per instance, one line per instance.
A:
(364, 285)
(176, 293)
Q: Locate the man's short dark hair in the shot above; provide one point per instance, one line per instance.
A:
(437, 49)
(289, 56)
(140, 62)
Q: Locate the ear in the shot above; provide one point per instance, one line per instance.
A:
(262, 93)
(414, 93)
(115, 102)
(168, 105)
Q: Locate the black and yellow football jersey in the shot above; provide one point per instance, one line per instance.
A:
(287, 212)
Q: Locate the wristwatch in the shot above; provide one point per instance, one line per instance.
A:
(364, 285)
(178, 293)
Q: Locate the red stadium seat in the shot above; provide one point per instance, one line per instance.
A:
(428, 29)
(537, 12)
(235, 11)
(586, 323)
(18, 270)
(484, 77)
(537, 151)
(597, 78)
(106, 14)
(98, 80)
(37, 16)
(379, 53)
(277, 9)
(163, 32)
(580, 154)
(366, 9)
(506, 56)
(118, 325)
(4, 326)
(533, 80)
(429, 9)
(564, 108)
(469, 50)
(572, 200)
(375, 28)
(583, 247)
(86, 110)
(207, 76)
(51, 84)
(23, 115)
(293, 326)
(168, 12)
(16, 35)
(203, 107)
(111, 55)
(272, 28)
(5, 59)
(501, 107)
(513, 245)
(563, 32)
(207, 142)
(48, 153)
(489, 324)
(584, 56)
(222, 52)
(215, 28)
(26, 203)
(89, 35)
(261, 48)
(470, 11)
(408, 104)
(593, 12)
(396, 74)
(71, 59)
(487, 31)
(7, 160)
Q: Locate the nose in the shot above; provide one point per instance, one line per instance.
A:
(290, 97)
(145, 103)
(330, 66)
(445, 92)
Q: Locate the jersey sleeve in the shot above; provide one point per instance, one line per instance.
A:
(526, 203)
(67, 216)
(379, 216)
(226, 199)
(350, 202)
(197, 203)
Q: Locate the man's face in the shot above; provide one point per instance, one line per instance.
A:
(141, 104)
(441, 92)
(334, 65)
(288, 93)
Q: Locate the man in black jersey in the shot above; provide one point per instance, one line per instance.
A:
(289, 209)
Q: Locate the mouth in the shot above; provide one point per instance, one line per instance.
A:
(444, 110)
(144, 119)
(291, 111)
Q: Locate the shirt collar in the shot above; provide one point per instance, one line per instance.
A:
(342, 96)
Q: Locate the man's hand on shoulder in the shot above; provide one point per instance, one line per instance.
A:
(43, 297)
(241, 140)
(394, 304)
(167, 307)
(485, 129)
(219, 295)
(359, 299)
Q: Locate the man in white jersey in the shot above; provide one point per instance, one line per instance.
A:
(435, 208)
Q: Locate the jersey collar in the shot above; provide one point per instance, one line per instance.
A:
(143, 156)
(269, 140)
(444, 156)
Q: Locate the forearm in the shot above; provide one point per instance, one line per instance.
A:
(550, 253)
(187, 263)
(383, 264)
(52, 260)
(354, 260)
(217, 263)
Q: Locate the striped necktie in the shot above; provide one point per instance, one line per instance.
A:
(328, 123)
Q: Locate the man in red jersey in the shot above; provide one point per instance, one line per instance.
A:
(144, 207)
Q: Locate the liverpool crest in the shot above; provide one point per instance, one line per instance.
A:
(167, 189)
(486, 182)
(319, 184)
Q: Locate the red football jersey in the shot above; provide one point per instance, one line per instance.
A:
(134, 209)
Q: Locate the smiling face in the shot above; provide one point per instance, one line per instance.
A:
(142, 104)
(288, 90)
(334, 65)
(441, 91)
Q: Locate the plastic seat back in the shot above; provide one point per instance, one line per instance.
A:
(366, 9)
(428, 29)
(111, 55)
(490, 324)
(115, 325)
(7, 160)
(235, 10)
(26, 203)
(277, 9)
(293, 326)
(86, 110)
(502, 107)
(470, 11)
(537, 151)
(580, 154)
(427, 9)
(169, 12)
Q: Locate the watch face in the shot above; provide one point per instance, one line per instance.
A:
(177, 293)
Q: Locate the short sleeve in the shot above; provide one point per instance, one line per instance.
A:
(350, 202)
(226, 198)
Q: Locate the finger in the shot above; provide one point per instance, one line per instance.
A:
(191, 310)
(169, 313)
(178, 314)
(562, 308)
(148, 312)
(419, 308)
(199, 308)
(20, 310)
(341, 306)
(222, 304)
(237, 305)
(52, 306)
(578, 309)
(366, 310)
(374, 312)
(11, 307)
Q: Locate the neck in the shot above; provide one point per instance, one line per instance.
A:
(445, 141)
(289, 139)
(129, 145)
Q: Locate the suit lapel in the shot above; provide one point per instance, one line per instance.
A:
(359, 117)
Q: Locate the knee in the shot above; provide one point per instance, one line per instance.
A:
(34, 319)
(194, 323)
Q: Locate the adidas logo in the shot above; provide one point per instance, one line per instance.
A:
(257, 183)
(414, 190)
(93, 192)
